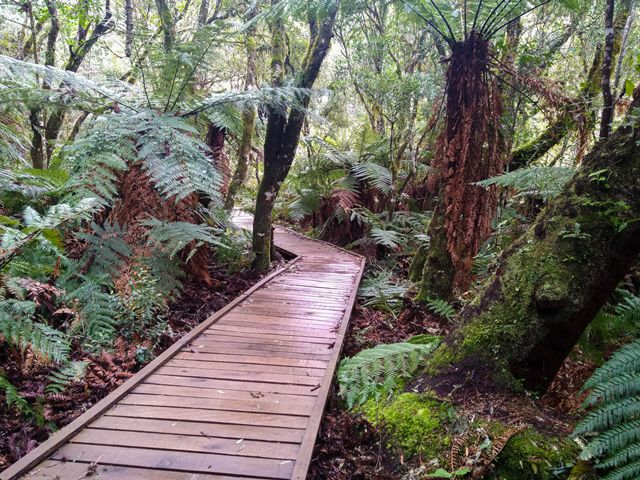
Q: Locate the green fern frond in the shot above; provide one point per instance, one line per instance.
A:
(377, 372)
(382, 291)
(627, 472)
(173, 237)
(18, 328)
(60, 379)
(13, 397)
(107, 250)
(442, 308)
(545, 182)
(625, 360)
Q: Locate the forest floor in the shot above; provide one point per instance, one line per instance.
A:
(349, 448)
(105, 371)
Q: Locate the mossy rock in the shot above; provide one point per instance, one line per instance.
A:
(417, 424)
(529, 455)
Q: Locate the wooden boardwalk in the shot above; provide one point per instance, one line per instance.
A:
(240, 397)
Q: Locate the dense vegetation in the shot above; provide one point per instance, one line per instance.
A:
(482, 154)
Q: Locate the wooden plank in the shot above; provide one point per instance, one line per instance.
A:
(149, 397)
(300, 332)
(188, 443)
(216, 344)
(206, 416)
(216, 336)
(328, 331)
(176, 461)
(59, 470)
(248, 376)
(220, 430)
(208, 365)
(254, 360)
(245, 386)
(243, 349)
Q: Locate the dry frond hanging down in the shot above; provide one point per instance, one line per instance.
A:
(468, 151)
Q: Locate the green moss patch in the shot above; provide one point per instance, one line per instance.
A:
(529, 455)
(416, 424)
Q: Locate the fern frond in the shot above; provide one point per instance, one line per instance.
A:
(60, 379)
(377, 371)
(173, 237)
(545, 182)
(13, 397)
(18, 329)
(625, 360)
(107, 250)
(442, 308)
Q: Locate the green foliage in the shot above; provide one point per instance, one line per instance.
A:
(173, 237)
(533, 181)
(377, 372)
(614, 399)
(441, 307)
(13, 397)
(19, 329)
(382, 291)
(106, 249)
(143, 306)
(95, 308)
(70, 372)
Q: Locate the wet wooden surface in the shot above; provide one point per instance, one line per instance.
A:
(241, 397)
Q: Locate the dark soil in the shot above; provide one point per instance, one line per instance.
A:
(19, 435)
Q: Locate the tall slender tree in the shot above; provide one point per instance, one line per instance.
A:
(283, 130)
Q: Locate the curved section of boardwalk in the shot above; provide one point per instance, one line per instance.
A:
(241, 396)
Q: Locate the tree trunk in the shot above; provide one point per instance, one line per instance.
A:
(551, 283)
(283, 133)
(607, 96)
(215, 141)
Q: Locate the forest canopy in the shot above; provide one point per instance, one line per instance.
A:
(483, 156)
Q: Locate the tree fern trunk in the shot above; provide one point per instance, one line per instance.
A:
(551, 283)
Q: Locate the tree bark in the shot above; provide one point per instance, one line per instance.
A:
(283, 132)
(553, 280)
(607, 96)
(167, 24)
(128, 25)
(215, 141)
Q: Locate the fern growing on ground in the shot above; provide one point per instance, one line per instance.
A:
(13, 397)
(19, 329)
(382, 292)
(378, 371)
(615, 415)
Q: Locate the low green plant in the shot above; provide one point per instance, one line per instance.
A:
(378, 372)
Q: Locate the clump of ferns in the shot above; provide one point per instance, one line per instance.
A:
(612, 423)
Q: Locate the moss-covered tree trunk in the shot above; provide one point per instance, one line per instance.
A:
(555, 278)
(283, 132)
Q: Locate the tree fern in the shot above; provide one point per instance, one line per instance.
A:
(377, 372)
(615, 416)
